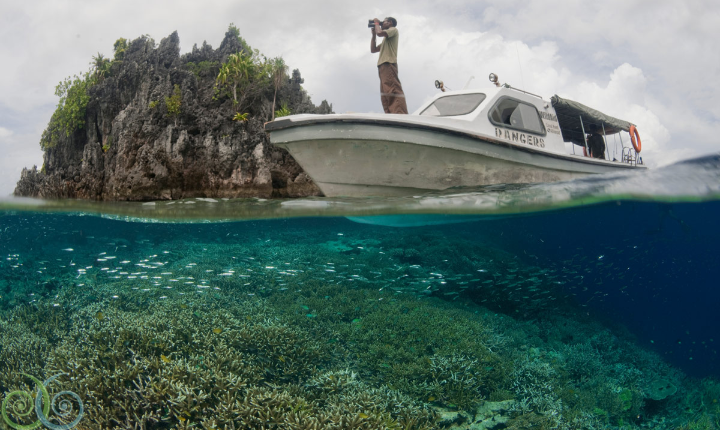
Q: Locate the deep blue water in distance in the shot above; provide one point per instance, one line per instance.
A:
(642, 267)
(657, 274)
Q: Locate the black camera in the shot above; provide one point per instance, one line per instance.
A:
(371, 23)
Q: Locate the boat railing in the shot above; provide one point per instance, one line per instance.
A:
(522, 91)
(630, 156)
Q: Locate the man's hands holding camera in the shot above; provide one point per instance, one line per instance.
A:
(372, 23)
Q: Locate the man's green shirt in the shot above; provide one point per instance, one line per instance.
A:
(389, 46)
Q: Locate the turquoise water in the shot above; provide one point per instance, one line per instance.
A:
(586, 304)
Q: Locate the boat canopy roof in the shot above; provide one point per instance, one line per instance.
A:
(569, 113)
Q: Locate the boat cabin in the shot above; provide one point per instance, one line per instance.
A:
(522, 118)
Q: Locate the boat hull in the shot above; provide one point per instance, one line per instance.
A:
(361, 159)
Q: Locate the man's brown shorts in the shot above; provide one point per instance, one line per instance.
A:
(391, 92)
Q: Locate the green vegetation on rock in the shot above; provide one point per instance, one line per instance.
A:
(119, 48)
(174, 102)
(247, 75)
(241, 117)
(283, 111)
(101, 66)
(69, 115)
(108, 144)
(244, 77)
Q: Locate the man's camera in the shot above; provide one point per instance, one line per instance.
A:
(371, 23)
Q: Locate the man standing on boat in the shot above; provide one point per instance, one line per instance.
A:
(596, 144)
(391, 92)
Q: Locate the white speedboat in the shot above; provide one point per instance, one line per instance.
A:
(496, 135)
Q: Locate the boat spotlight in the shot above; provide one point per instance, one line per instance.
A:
(494, 79)
(439, 85)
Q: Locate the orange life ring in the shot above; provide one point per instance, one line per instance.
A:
(635, 138)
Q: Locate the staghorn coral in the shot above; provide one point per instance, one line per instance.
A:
(330, 383)
(415, 344)
(342, 393)
(533, 383)
(21, 351)
(582, 362)
(170, 366)
(360, 406)
(457, 380)
(164, 365)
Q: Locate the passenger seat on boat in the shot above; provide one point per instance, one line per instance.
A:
(506, 114)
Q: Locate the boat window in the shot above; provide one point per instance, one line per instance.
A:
(460, 104)
(516, 114)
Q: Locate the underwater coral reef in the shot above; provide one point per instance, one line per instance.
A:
(280, 329)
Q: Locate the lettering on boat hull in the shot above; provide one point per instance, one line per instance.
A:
(519, 137)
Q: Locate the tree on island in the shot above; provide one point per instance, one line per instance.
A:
(101, 66)
(278, 72)
(245, 77)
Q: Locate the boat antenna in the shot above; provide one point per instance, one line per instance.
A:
(468, 82)
(522, 79)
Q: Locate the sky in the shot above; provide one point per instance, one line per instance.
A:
(655, 63)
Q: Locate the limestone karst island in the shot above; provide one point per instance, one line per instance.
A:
(150, 124)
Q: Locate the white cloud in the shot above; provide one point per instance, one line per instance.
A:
(4, 132)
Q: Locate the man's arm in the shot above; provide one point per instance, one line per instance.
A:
(373, 46)
(377, 30)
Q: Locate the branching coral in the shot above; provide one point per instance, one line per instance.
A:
(174, 365)
(533, 384)
(414, 344)
(458, 379)
(21, 351)
(195, 366)
(582, 362)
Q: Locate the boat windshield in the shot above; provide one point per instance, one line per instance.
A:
(454, 105)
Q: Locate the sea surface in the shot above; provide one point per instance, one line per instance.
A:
(587, 304)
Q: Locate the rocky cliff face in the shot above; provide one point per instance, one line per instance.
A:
(132, 150)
